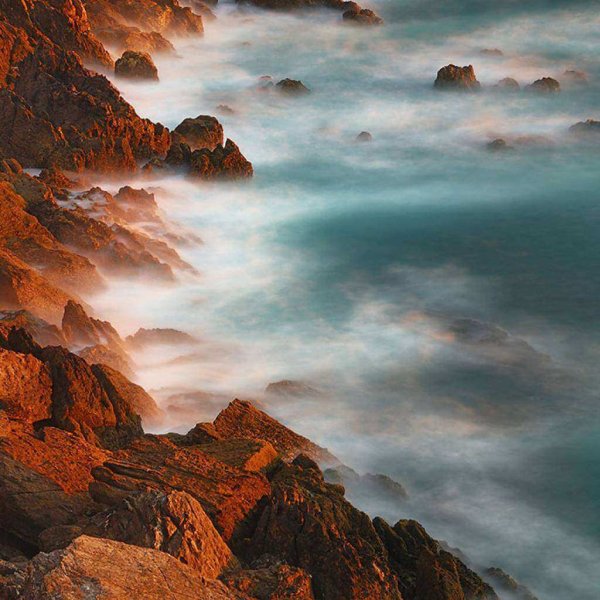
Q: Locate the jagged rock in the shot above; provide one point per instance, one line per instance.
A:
(424, 569)
(270, 579)
(53, 111)
(103, 355)
(133, 205)
(452, 77)
(201, 433)
(292, 87)
(242, 420)
(80, 329)
(226, 493)
(224, 162)
(508, 84)
(586, 129)
(504, 583)
(250, 455)
(545, 85)
(172, 522)
(122, 37)
(364, 136)
(288, 388)
(163, 16)
(158, 337)
(87, 566)
(41, 331)
(202, 132)
(498, 145)
(136, 65)
(367, 487)
(364, 16)
(313, 527)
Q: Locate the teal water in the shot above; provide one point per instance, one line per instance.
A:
(347, 265)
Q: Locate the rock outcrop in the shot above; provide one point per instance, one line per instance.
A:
(362, 16)
(545, 85)
(505, 584)
(203, 131)
(452, 77)
(586, 129)
(292, 87)
(508, 84)
(134, 64)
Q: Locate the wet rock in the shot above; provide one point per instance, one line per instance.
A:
(292, 87)
(136, 65)
(364, 136)
(452, 77)
(498, 145)
(504, 583)
(173, 523)
(202, 132)
(545, 85)
(364, 16)
(242, 420)
(508, 84)
(424, 569)
(586, 129)
(87, 566)
(314, 528)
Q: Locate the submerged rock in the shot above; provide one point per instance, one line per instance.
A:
(545, 85)
(452, 77)
(498, 145)
(292, 87)
(136, 65)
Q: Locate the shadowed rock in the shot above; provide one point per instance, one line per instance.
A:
(362, 16)
(292, 87)
(545, 85)
(504, 583)
(203, 131)
(508, 84)
(136, 65)
(452, 77)
(586, 129)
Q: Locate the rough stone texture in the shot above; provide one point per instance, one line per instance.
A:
(123, 37)
(86, 569)
(41, 331)
(172, 522)
(250, 455)
(364, 16)
(80, 329)
(242, 420)
(313, 527)
(226, 493)
(452, 77)
(271, 580)
(203, 131)
(136, 65)
(545, 85)
(224, 162)
(424, 569)
(100, 354)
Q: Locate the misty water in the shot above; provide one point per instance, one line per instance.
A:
(444, 299)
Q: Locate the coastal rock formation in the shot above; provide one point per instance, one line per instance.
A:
(508, 84)
(545, 85)
(243, 420)
(289, 388)
(362, 16)
(494, 52)
(44, 333)
(111, 570)
(292, 87)
(202, 132)
(575, 78)
(81, 330)
(364, 136)
(136, 65)
(504, 583)
(586, 129)
(424, 569)
(452, 77)
(121, 37)
(158, 337)
(498, 145)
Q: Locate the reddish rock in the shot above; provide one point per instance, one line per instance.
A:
(112, 571)
(545, 85)
(136, 65)
(452, 77)
(226, 493)
(172, 522)
(122, 37)
(250, 455)
(242, 420)
(103, 355)
(158, 337)
(202, 132)
(289, 388)
(506, 584)
(80, 329)
(313, 527)
(224, 162)
(424, 569)
(41, 331)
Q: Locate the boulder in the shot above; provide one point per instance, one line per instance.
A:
(93, 567)
(202, 132)
(292, 87)
(364, 136)
(136, 65)
(81, 330)
(545, 85)
(452, 77)
(250, 455)
(508, 84)
(242, 420)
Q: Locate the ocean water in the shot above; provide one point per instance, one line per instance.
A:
(443, 299)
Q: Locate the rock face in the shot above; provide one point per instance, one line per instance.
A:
(123, 37)
(545, 85)
(53, 111)
(87, 567)
(173, 523)
(202, 132)
(504, 583)
(79, 329)
(242, 420)
(292, 87)
(315, 528)
(41, 331)
(136, 65)
(424, 569)
(452, 77)
(362, 16)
